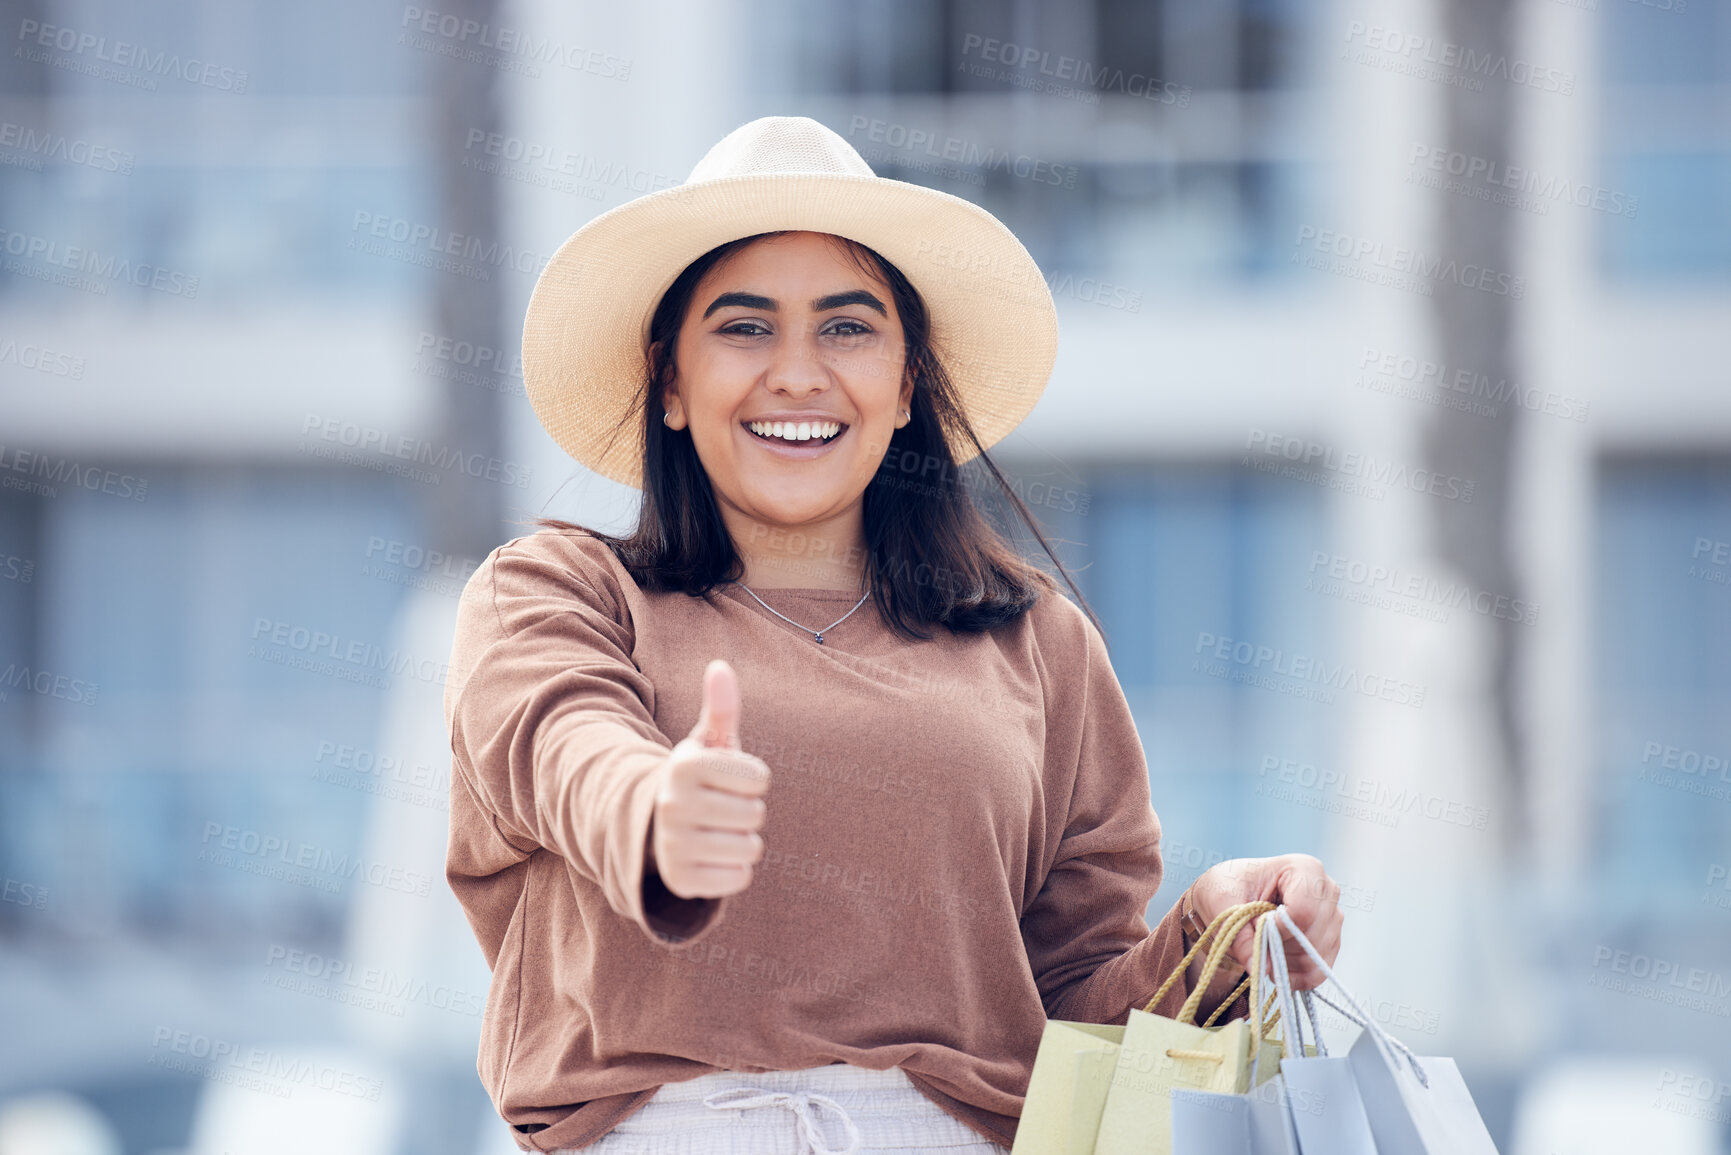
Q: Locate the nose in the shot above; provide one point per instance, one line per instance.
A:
(795, 370)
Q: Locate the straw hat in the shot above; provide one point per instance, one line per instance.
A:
(586, 335)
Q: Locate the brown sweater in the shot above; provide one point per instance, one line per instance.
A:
(959, 843)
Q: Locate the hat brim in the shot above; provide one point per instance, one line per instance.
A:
(585, 336)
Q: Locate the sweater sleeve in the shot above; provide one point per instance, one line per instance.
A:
(553, 731)
(1089, 945)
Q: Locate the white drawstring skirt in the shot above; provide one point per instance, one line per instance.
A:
(837, 1109)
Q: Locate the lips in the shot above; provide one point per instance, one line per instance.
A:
(795, 447)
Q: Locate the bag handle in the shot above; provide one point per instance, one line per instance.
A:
(1281, 981)
(1392, 1046)
(1221, 931)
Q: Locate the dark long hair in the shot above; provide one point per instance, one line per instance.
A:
(932, 556)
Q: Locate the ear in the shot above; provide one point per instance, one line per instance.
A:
(905, 401)
(672, 405)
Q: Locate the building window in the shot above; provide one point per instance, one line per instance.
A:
(1663, 624)
(192, 617)
(1180, 563)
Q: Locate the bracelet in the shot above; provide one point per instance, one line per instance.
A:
(1192, 926)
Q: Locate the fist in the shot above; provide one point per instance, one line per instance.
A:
(709, 805)
(1296, 881)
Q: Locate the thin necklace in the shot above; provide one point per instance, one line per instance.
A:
(818, 634)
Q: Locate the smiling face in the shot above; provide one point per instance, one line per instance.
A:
(789, 373)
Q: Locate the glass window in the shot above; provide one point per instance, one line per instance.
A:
(1663, 116)
(1078, 125)
(189, 619)
(1663, 622)
(1181, 563)
(248, 177)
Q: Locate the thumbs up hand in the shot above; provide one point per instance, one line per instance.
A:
(709, 806)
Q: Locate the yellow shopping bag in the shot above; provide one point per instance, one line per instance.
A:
(1072, 1073)
(1076, 1064)
(1157, 1054)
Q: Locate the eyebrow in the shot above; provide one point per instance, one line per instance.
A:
(821, 305)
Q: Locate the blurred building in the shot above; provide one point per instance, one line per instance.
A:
(223, 588)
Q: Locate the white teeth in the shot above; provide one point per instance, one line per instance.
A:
(795, 430)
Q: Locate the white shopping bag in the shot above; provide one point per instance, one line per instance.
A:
(1270, 1120)
(1410, 1116)
(1210, 1123)
(1321, 1093)
(1413, 1105)
(1327, 1112)
(1216, 1123)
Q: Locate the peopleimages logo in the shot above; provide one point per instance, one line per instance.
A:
(371, 988)
(1377, 801)
(1448, 379)
(82, 260)
(1307, 676)
(558, 162)
(463, 38)
(1398, 266)
(254, 1068)
(1456, 64)
(1694, 980)
(404, 447)
(1359, 467)
(38, 145)
(1485, 175)
(46, 683)
(438, 244)
(301, 860)
(357, 656)
(966, 152)
(42, 360)
(1091, 78)
(61, 471)
(1376, 579)
(37, 37)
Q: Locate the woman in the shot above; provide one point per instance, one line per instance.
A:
(890, 840)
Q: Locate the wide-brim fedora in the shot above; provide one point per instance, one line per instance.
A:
(586, 333)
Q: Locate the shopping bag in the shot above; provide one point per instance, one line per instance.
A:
(1413, 1105)
(1215, 1123)
(1159, 1054)
(1256, 1122)
(1417, 1106)
(1318, 1089)
(1072, 1072)
(1327, 1112)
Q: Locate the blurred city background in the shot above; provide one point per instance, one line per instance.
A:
(1390, 435)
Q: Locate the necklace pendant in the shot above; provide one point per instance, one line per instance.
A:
(820, 639)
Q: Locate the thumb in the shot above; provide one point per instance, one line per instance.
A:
(718, 719)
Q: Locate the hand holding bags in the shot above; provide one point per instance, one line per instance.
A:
(1159, 1054)
(1076, 1064)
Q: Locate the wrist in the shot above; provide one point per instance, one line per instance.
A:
(1194, 924)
